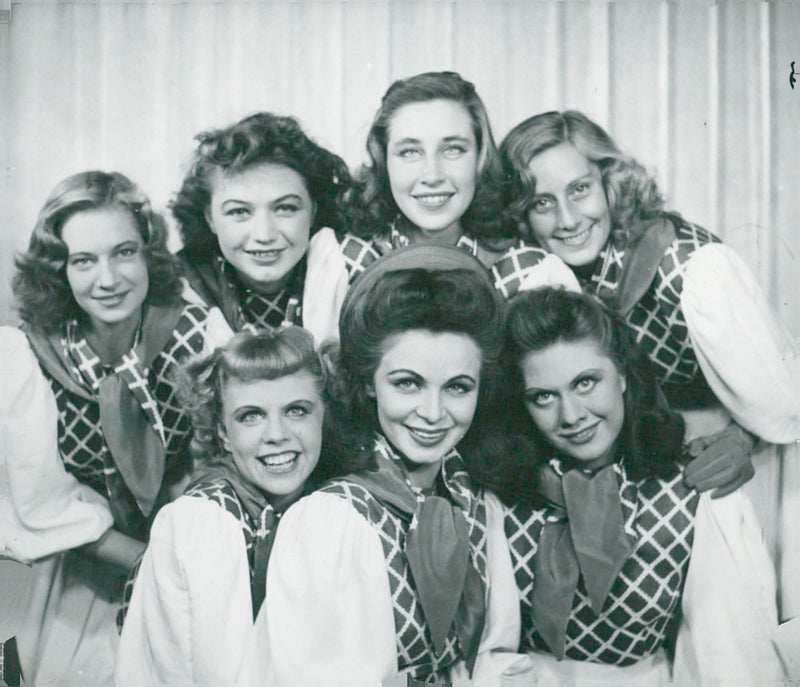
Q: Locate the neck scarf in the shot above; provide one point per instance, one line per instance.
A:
(451, 590)
(398, 239)
(585, 536)
(129, 416)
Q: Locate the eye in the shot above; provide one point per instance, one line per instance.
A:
(409, 154)
(454, 151)
(128, 251)
(249, 417)
(581, 189)
(460, 388)
(540, 399)
(542, 204)
(237, 211)
(81, 262)
(286, 209)
(585, 384)
(406, 384)
(298, 411)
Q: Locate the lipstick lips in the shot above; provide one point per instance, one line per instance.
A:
(267, 257)
(111, 300)
(428, 437)
(577, 239)
(582, 436)
(284, 461)
(433, 201)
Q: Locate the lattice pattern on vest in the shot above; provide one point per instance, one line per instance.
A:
(80, 436)
(634, 620)
(657, 320)
(416, 654)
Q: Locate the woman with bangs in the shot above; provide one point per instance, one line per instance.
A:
(434, 175)
(690, 302)
(259, 411)
(386, 572)
(96, 439)
(258, 212)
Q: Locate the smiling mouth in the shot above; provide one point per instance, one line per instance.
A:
(433, 201)
(582, 436)
(111, 301)
(428, 437)
(280, 462)
(577, 239)
(266, 256)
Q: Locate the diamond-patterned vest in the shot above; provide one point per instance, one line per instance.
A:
(645, 597)
(416, 655)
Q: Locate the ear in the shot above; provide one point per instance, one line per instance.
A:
(370, 390)
(207, 215)
(623, 382)
(223, 435)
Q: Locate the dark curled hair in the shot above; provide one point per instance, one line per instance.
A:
(454, 301)
(44, 298)
(651, 436)
(258, 139)
(371, 208)
(631, 192)
(249, 357)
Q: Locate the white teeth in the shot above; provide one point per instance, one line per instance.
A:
(577, 239)
(279, 461)
(431, 201)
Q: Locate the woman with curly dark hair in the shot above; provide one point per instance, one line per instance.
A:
(690, 302)
(257, 213)
(386, 571)
(611, 551)
(259, 414)
(96, 442)
(433, 177)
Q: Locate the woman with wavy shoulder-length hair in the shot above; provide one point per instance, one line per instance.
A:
(258, 212)
(259, 410)
(96, 441)
(433, 174)
(612, 552)
(386, 570)
(690, 302)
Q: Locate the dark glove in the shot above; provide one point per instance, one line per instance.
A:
(721, 461)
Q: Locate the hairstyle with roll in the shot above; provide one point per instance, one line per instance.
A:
(454, 301)
(632, 193)
(44, 297)
(651, 436)
(260, 138)
(268, 354)
(371, 208)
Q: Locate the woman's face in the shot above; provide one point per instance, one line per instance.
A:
(574, 395)
(432, 162)
(426, 391)
(569, 214)
(273, 430)
(262, 218)
(106, 266)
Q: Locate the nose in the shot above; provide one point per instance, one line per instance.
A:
(430, 407)
(432, 172)
(106, 274)
(274, 430)
(567, 217)
(572, 410)
(264, 228)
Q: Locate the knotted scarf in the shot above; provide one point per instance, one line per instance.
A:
(215, 281)
(129, 416)
(585, 536)
(437, 547)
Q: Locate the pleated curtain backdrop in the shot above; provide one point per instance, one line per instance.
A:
(697, 91)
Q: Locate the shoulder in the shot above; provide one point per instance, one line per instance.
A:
(523, 267)
(688, 239)
(358, 253)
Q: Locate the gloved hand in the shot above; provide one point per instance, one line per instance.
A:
(721, 461)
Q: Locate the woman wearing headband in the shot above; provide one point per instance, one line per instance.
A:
(387, 570)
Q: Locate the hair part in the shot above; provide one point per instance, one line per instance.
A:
(631, 192)
(371, 208)
(258, 139)
(651, 436)
(44, 297)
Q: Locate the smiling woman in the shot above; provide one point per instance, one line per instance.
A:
(257, 213)
(258, 407)
(386, 570)
(96, 443)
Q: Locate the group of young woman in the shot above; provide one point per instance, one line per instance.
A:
(466, 430)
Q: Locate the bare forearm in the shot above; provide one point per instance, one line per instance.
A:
(115, 548)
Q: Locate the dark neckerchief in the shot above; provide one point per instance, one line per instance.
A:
(437, 547)
(584, 536)
(133, 439)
